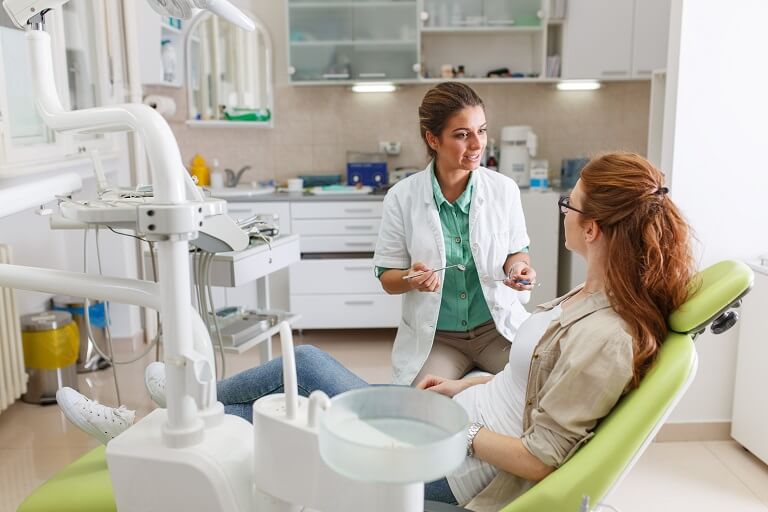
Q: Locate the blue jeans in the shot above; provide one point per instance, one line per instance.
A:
(315, 370)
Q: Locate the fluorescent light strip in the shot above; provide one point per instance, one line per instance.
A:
(578, 85)
(374, 87)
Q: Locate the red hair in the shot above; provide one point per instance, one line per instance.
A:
(650, 263)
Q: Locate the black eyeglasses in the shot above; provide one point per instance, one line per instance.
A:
(565, 204)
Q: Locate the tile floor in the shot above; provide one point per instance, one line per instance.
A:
(35, 441)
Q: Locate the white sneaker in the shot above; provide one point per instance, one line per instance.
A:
(154, 380)
(102, 422)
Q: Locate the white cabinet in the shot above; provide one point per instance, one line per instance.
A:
(615, 38)
(597, 39)
(334, 285)
(750, 406)
(542, 218)
(153, 30)
(650, 37)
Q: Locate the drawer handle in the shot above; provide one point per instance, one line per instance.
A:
(335, 75)
(367, 228)
(358, 244)
(372, 75)
(614, 73)
(358, 302)
(358, 210)
(358, 268)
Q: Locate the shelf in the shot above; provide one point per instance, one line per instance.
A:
(223, 123)
(355, 42)
(337, 5)
(291, 318)
(419, 81)
(481, 30)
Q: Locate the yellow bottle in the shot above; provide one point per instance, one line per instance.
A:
(200, 170)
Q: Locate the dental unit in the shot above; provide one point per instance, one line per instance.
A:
(367, 449)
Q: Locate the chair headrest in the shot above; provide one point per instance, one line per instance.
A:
(716, 288)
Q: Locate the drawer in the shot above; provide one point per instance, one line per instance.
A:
(336, 210)
(334, 276)
(362, 243)
(346, 311)
(239, 211)
(336, 226)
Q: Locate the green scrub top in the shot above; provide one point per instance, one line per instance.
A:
(463, 305)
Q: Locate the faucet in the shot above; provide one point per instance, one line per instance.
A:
(232, 178)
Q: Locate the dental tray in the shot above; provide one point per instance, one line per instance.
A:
(393, 434)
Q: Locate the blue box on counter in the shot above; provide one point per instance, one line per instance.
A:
(367, 168)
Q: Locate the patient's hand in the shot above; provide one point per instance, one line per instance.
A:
(447, 387)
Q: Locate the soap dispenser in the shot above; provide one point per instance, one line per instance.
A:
(200, 171)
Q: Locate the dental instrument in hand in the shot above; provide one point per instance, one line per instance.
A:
(458, 266)
(524, 282)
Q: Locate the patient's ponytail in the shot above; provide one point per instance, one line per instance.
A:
(649, 262)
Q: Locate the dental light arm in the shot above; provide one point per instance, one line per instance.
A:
(185, 9)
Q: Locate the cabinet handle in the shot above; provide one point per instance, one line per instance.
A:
(366, 228)
(358, 268)
(335, 75)
(372, 75)
(358, 210)
(614, 72)
(358, 302)
(643, 72)
(358, 244)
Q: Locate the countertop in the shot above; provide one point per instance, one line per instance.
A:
(300, 196)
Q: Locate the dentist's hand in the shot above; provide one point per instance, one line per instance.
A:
(521, 276)
(447, 387)
(427, 282)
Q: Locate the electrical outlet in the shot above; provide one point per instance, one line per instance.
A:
(389, 147)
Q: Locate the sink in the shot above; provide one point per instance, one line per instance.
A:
(240, 192)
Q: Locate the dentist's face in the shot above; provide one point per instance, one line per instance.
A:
(463, 140)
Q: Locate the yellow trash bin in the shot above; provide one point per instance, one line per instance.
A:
(51, 341)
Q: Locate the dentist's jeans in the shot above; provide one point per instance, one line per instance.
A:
(315, 370)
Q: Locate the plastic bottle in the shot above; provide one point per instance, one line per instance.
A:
(217, 175)
(200, 170)
(168, 57)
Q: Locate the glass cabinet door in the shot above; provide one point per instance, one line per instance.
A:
(353, 40)
(482, 13)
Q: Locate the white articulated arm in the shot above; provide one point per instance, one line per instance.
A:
(170, 177)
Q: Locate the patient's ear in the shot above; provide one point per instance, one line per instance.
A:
(592, 231)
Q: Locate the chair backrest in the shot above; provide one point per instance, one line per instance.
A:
(624, 434)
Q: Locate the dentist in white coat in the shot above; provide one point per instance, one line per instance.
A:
(454, 212)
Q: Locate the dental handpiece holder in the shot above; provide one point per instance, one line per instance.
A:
(366, 449)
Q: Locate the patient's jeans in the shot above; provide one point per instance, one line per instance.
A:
(315, 370)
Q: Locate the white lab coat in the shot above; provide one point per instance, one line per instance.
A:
(411, 231)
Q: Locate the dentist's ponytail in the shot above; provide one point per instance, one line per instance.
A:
(649, 262)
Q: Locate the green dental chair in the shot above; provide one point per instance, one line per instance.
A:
(621, 438)
(596, 469)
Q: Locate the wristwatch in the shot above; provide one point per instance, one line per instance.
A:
(471, 433)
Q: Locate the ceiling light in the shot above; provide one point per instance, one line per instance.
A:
(578, 85)
(374, 87)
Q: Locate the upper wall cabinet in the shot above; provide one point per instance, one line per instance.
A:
(650, 37)
(229, 73)
(615, 38)
(352, 40)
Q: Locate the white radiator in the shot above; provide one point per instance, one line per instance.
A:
(13, 378)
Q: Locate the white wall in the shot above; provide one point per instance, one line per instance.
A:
(715, 141)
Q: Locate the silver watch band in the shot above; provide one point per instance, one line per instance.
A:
(471, 433)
